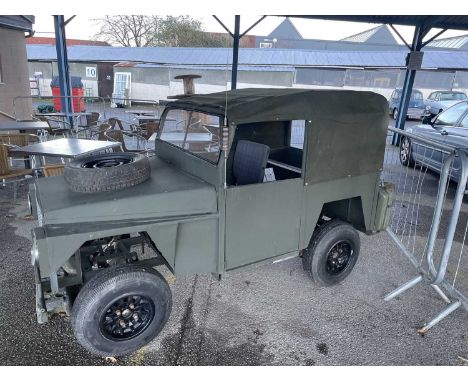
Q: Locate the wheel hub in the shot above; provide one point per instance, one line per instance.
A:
(127, 317)
(107, 162)
(404, 152)
(338, 257)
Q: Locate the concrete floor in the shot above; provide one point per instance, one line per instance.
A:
(266, 315)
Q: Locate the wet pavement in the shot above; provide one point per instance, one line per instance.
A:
(265, 315)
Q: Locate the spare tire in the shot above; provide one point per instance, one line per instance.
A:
(107, 172)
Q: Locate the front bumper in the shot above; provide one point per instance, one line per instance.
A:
(416, 113)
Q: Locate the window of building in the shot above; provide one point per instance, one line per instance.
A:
(321, 77)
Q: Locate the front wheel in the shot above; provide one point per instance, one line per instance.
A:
(395, 114)
(332, 252)
(121, 309)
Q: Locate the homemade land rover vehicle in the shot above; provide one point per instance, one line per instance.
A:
(209, 205)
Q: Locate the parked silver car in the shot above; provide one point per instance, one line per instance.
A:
(438, 101)
(416, 106)
(450, 127)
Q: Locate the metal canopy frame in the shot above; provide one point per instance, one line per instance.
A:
(423, 25)
(62, 64)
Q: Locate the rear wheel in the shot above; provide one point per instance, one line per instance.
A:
(121, 309)
(406, 152)
(395, 114)
(332, 252)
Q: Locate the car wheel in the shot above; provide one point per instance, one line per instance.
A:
(107, 172)
(406, 152)
(332, 252)
(395, 114)
(121, 309)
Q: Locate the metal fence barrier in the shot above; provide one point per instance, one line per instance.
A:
(429, 219)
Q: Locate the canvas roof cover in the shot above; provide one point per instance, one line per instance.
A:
(348, 128)
(266, 104)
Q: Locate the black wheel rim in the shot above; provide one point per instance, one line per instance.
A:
(113, 161)
(339, 257)
(127, 317)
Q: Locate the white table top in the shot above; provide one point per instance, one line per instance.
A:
(65, 147)
(23, 125)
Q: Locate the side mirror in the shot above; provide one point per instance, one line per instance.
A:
(426, 120)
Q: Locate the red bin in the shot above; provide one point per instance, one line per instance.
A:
(77, 94)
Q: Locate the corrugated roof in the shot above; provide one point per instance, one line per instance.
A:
(451, 42)
(437, 21)
(256, 57)
(250, 68)
(286, 30)
(362, 36)
(377, 35)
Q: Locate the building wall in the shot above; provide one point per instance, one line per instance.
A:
(154, 84)
(149, 83)
(14, 80)
(44, 71)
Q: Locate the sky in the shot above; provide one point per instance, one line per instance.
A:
(82, 27)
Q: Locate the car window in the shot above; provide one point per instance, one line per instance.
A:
(395, 95)
(416, 96)
(451, 115)
(464, 122)
(431, 96)
(193, 131)
(452, 97)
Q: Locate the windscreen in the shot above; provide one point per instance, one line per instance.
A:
(416, 96)
(452, 97)
(193, 131)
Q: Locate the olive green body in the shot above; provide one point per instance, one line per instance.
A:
(198, 221)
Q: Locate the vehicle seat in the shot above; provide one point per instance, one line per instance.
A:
(250, 159)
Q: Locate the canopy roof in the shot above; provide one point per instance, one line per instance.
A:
(440, 21)
(270, 104)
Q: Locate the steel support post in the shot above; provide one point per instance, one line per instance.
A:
(62, 64)
(419, 33)
(235, 52)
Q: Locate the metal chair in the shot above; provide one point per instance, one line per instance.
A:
(55, 127)
(98, 132)
(15, 140)
(115, 121)
(92, 121)
(148, 129)
(118, 136)
(11, 175)
(53, 170)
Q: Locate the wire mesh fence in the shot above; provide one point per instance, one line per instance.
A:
(429, 219)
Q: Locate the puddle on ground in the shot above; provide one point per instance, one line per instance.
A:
(193, 346)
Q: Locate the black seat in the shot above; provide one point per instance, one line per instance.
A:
(249, 163)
